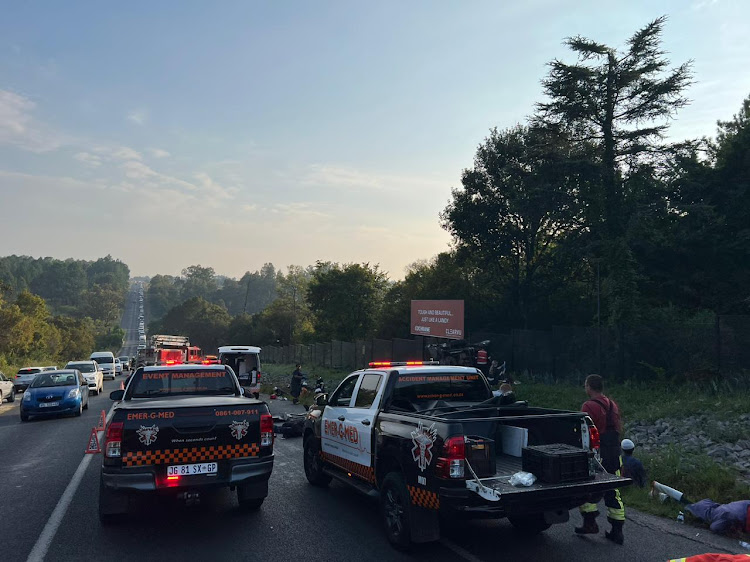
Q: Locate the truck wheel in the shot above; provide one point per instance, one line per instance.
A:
(112, 505)
(394, 508)
(248, 504)
(529, 524)
(314, 464)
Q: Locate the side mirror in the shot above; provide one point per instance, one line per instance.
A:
(116, 395)
(321, 400)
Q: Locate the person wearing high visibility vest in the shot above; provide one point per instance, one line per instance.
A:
(482, 360)
(605, 414)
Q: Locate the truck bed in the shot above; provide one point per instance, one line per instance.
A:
(507, 465)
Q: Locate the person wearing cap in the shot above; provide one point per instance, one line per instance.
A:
(631, 466)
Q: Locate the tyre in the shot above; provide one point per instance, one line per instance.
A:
(529, 524)
(112, 505)
(2, 397)
(86, 407)
(394, 509)
(12, 397)
(314, 464)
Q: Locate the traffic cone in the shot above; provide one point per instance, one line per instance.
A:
(93, 447)
(102, 421)
(122, 385)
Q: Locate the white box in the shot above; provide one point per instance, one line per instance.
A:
(513, 439)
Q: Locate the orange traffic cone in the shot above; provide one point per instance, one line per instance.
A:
(122, 385)
(102, 421)
(93, 446)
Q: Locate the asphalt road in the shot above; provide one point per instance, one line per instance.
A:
(46, 517)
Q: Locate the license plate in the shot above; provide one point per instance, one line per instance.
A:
(48, 404)
(190, 469)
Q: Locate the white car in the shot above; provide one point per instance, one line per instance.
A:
(118, 366)
(7, 392)
(91, 372)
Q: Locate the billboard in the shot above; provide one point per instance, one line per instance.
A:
(439, 319)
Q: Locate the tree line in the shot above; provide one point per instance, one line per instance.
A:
(59, 309)
(581, 214)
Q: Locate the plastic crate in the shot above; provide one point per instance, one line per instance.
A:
(480, 452)
(556, 463)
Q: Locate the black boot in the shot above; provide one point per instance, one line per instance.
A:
(615, 534)
(589, 526)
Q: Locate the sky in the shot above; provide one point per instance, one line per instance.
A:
(234, 133)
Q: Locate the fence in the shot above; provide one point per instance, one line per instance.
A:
(695, 351)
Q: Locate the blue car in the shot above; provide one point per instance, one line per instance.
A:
(55, 392)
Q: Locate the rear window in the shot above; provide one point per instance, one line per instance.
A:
(147, 384)
(83, 367)
(32, 371)
(422, 387)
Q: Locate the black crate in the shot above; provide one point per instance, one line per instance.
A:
(480, 452)
(556, 463)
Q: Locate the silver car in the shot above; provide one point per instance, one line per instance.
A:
(91, 372)
(24, 377)
(7, 391)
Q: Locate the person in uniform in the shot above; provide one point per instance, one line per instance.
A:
(605, 414)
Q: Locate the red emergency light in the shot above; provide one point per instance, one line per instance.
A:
(400, 363)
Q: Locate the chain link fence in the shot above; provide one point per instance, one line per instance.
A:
(692, 351)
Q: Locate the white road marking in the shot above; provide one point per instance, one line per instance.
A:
(44, 541)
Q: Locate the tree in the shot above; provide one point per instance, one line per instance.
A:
(163, 293)
(76, 337)
(517, 205)
(618, 103)
(104, 303)
(203, 322)
(346, 299)
(199, 282)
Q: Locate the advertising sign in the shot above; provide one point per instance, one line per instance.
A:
(439, 319)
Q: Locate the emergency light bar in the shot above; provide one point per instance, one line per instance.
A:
(401, 363)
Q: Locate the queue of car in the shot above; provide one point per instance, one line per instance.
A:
(49, 391)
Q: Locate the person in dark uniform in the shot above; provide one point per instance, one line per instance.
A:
(605, 414)
(631, 466)
(295, 387)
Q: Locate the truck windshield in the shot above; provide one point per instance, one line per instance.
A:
(426, 387)
(147, 384)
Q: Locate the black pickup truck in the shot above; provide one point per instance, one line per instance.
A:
(181, 430)
(432, 441)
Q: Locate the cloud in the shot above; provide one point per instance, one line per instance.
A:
(19, 128)
(89, 159)
(213, 189)
(125, 153)
(301, 210)
(700, 4)
(333, 176)
(159, 153)
(138, 116)
(139, 171)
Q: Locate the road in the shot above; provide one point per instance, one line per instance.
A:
(45, 516)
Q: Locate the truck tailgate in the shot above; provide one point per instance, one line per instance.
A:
(162, 434)
(498, 489)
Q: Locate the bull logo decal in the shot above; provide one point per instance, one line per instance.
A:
(423, 439)
(147, 434)
(239, 429)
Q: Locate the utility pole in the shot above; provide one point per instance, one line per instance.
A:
(598, 321)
